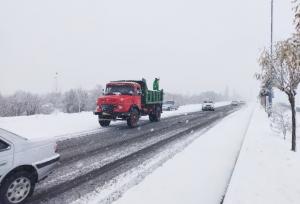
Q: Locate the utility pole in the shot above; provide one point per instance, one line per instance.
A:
(270, 94)
(272, 15)
(56, 82)
(56, 95)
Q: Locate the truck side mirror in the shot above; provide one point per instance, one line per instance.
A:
(103, 91)
(139, 92)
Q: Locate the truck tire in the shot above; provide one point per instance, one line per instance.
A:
(155, 117)
(17, 188)
(133, 119)
(104, 123)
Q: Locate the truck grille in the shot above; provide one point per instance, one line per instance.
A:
(107, 108)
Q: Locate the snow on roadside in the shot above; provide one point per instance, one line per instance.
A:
(266, 171)
(64, 125)
(46, 126)
(199, 174)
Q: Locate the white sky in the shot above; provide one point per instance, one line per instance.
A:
(191, 45)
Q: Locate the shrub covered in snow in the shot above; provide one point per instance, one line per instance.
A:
(281, 120)
(20, 103)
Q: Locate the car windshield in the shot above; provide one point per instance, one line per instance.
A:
(119, 90)
(208, 102)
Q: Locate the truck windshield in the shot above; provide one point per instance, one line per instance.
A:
(119, 90)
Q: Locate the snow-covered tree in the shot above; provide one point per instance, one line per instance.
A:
(20, 103)
(16, 104)
(297, 15)
(53, 100)
(32, 103)
(282, 70)
(93, 95)
(281, 120)
(75, 100)
(2, 106)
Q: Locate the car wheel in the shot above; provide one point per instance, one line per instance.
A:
(17, 188)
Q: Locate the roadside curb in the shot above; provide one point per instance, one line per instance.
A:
(239, 153)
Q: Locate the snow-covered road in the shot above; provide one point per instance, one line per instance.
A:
(64, 125)
(93, 161)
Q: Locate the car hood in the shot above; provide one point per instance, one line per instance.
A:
(113, 99)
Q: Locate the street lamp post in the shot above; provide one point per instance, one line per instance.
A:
(270, 95)
(272, 14)
(56, 82)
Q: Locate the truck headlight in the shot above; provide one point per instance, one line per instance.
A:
(98, 109)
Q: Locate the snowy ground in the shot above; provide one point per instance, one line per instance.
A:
(199, 174)
(63, 125)
(267, 171)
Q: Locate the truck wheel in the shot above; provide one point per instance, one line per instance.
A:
(155, 117)
(104, 123)
(151, 118)
(17, 188)
(133, 119)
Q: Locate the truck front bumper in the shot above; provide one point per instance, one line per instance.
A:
(112, 116)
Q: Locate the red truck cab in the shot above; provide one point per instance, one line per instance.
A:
(125, 100)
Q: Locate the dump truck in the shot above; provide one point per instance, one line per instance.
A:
(129, 100)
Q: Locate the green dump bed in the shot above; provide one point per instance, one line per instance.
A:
(153, 97)
(148, 96)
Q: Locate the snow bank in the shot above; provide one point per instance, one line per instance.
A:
(61, 125)
(267, 171)
(200, 173)
(54, 125)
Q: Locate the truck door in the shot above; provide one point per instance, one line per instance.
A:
(138, 97)
(6, 157)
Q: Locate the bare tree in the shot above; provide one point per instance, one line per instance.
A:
(282, 69)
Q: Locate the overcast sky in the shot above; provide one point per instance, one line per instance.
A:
(191, 45)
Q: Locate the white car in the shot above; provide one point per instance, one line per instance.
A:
(169, 106)
(22, 164)
(234, 103)
(208, 106)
